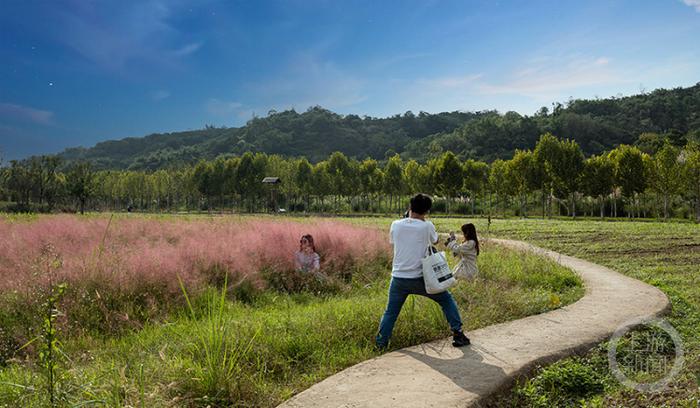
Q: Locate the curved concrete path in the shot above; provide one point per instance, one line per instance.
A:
(436, 374)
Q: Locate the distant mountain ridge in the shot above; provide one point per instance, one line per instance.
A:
(597, 125)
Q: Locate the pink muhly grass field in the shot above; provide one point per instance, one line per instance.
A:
(133, 252)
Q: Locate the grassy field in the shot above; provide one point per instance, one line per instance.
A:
(663, 254)
(257, 347)
(666, 255)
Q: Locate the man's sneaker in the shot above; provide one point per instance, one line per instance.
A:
(459, 339)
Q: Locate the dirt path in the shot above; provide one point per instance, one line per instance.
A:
(436, 374)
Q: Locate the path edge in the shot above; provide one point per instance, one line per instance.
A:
(526, 371)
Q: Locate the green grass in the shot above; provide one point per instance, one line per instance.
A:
(663, 254)
(666, 255)
(223, 352)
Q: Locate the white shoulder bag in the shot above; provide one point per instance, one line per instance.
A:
(436, 272)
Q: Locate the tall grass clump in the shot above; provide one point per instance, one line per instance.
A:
(122, 272)
(217, 351)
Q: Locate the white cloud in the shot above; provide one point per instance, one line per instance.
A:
(111, 37)
(693, 3)
(160, 94)
(187, 49)
(385, 62)
(308, 81)
(223, 108)
(537, 81)
(431, 94)
(528, 83)
(26, 113)
(450, 82)
(548, 78)
(449, 92)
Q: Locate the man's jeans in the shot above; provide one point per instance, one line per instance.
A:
(399, 289)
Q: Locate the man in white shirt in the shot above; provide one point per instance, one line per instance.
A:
(411, 237)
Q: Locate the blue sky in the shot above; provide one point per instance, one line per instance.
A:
(77, 72)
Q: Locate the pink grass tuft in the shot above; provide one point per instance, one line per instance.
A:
(141, 251)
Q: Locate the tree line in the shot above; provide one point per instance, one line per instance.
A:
(598, 125)
(553, 179)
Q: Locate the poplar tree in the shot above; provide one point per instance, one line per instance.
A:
(80, 183)
(664, 175)
(598, 179)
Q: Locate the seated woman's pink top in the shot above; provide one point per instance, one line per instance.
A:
(307, 262)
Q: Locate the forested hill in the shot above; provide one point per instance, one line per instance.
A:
(314, 134)
(597, 125)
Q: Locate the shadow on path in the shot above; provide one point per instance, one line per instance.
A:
(458, 363)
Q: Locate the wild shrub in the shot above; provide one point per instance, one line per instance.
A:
(291, 281)
(562, 384)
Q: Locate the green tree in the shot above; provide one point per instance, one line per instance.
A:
(371, 178)
(498, 183)
(690, 158)
(37, 179)
(285, 169)
(248, 178)
(2, 177)
(546, 154)
(418, 177)
(304, 180)
(162, 188)
(568, 170)
(321, 181)
(339, 172)
(629, 169)
(561, 163)
(664, 175)
(80, 183)
(598, 179)
(230, 174)
(449, 177)
(185, 181)
(476, 177)
(394, 183)
(649, 142)
(203, 178)
(133, 186)
(217, 179)
(352, 181)
(430, 173)
(520, 172)
(19, 182)
(54, 181)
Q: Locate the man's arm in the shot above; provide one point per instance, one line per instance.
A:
(433, 233)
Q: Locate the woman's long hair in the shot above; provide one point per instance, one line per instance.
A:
(309, 239)
(469, 231)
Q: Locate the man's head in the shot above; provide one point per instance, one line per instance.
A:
(420, 204)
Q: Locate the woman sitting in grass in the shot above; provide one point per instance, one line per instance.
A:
(467, 251)
(306, 259)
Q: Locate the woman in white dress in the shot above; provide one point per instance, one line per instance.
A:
(467, 251)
